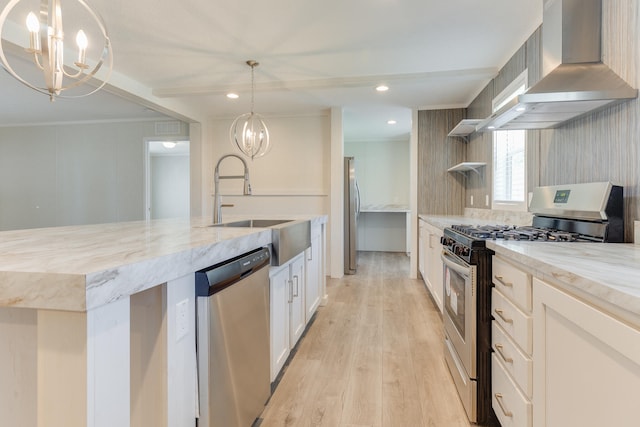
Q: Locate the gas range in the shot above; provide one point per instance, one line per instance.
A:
(567, 213)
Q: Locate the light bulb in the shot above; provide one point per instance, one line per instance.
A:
(32, 23)
(81, 40)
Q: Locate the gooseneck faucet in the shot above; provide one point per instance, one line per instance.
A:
(217, 200)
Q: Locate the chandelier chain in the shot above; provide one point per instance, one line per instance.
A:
(253, 66)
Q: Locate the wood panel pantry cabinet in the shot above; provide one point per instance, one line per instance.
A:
(587, 362)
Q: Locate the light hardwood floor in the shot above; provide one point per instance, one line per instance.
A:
(372, 357)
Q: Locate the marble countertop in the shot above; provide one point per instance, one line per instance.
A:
(606, 272)
(385, 208)
(82, 267)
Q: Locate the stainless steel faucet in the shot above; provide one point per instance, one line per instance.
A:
(217, 200)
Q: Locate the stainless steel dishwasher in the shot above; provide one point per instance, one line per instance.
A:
(233, 340)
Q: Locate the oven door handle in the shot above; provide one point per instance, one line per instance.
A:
(450, 261)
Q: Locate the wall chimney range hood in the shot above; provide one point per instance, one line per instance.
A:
(575, 81)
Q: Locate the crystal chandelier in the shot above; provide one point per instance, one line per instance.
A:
(248, 131)
(46, 49)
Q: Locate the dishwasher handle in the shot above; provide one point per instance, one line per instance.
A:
(222, 275)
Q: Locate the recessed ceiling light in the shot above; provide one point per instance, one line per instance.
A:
(382, 88)
(232, 95)
(169, 144)
(391, 122)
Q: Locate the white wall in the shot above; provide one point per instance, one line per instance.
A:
(292, 178)
(169, 187)
(72, 174)
(382, 170)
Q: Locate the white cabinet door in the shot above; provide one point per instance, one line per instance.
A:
(279, 315)
(298, 310)
(422, 249)
(313, 279)
(587, 363)
(434, 264)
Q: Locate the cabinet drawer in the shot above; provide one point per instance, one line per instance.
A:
(513, 283)
(518, 364)
(513, 320)
(508, 402)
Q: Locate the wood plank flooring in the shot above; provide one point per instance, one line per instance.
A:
(372, 357)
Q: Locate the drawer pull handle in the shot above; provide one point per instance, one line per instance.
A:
(500, 350)
(500, 313)
(502, 282)
(504, 411)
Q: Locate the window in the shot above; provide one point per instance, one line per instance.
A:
(509, 160)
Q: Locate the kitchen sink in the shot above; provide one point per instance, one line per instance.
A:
(289, 237)
(264, 223)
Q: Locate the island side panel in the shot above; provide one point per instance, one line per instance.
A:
(18, 366)
(149, 358)
(62, 367)
(181, 352)
(108, 365)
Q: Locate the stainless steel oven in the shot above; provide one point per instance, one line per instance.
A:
(467, 322)
(459, 319)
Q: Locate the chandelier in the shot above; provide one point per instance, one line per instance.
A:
(46, 50)
(248, 131)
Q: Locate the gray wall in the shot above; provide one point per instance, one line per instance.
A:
(72, 174)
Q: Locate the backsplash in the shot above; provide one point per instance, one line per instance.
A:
(499, 216)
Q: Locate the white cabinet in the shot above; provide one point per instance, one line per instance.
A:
(313, 283)
(297, 317)
(587, 363)
(279, 317)
(287, 310)
(429, 262)
(422, 248)
(512, 343)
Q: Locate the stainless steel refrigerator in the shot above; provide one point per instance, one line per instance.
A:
(351, 212)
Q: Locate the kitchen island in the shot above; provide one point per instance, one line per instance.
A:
(89, 322)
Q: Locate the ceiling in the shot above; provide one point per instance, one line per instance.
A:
(313, 56)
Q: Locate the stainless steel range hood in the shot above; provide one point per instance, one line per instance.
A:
(575, 80)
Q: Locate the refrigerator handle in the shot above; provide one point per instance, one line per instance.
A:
(357, 198)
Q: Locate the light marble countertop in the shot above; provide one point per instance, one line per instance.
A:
(608, 273)
(385, 208)
(82, 267)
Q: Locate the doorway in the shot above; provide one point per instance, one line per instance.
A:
(167, 178)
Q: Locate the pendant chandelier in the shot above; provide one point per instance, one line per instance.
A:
(46, 49)
(248, 131)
